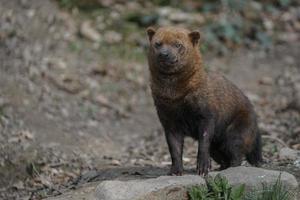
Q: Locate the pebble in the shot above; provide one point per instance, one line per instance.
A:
(112, 37)
(289, 154)
(253, 97)
(266, 80)
(89, 32)
(115, 162)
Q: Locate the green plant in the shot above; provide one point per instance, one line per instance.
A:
(75, 46)
(277, 191)
(1, 110)
(218, 188)
(2, 116)
(198, 193)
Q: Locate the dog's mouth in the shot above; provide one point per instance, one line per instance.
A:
(168, 63)
(169, 67)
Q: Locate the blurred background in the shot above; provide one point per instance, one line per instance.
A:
(74, 91)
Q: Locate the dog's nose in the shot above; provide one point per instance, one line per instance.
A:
(164, 54)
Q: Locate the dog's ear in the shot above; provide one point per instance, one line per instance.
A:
(150, 31)
(194, 36)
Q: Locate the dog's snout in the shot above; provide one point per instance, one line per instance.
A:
(164, 54)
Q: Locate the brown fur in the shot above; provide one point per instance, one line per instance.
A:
(204, 105)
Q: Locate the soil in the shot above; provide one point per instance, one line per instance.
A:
(69, 116)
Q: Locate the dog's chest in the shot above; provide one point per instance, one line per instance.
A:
(184, 117)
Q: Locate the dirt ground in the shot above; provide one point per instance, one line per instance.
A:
(67, 111)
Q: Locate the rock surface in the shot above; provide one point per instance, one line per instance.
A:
(175, 187)
(170, 188)
(89, 32)
(84, 193)
(289, 154)
(164, 187)
(253, 177)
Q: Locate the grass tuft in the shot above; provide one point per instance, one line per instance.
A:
(277, 191)
(218, 188)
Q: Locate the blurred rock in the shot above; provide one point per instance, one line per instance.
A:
(254, 178)
(179, 17)
(87, 31)
(106, 3)
(253, 97)
(31, 13)
(67, 82)
(174, 187)
(164, 187)
(101, 99)
(33, 72)
(289, 60)
(21, 137)
(112, 37)
(133, 6)
(296, 146)
(169, 14)
(19, 185)
(115, 162)
(3, 102)
(297, 163)
(289, 37)
(164, 11)
(268, 24)
(289, 154)
(294, 103)
(266, 80)
(55, 63)
(99, 70)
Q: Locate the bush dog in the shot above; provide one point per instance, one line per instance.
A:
(191, 101)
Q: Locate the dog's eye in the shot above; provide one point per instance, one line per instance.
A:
(178, 45)
(157, 44)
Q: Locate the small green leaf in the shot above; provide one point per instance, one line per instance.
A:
(238, 192)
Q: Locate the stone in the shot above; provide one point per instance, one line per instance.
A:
(254, 178)
(288, 37)
(164, 187)
(89, 32)
(169, 188)
(289, 154)
(82, 193)
(175, 187)
(112, 37)
(297, 163)
(67, 82)
(253, 97)
(179, 17)
(266, 80)
(3, 102)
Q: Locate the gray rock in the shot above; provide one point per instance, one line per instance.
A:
(169, 188)
(89, 32)
(164, 187)
(289, 154)
(85, 192)
(112, 37)
(253, 177)
(175, 187)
